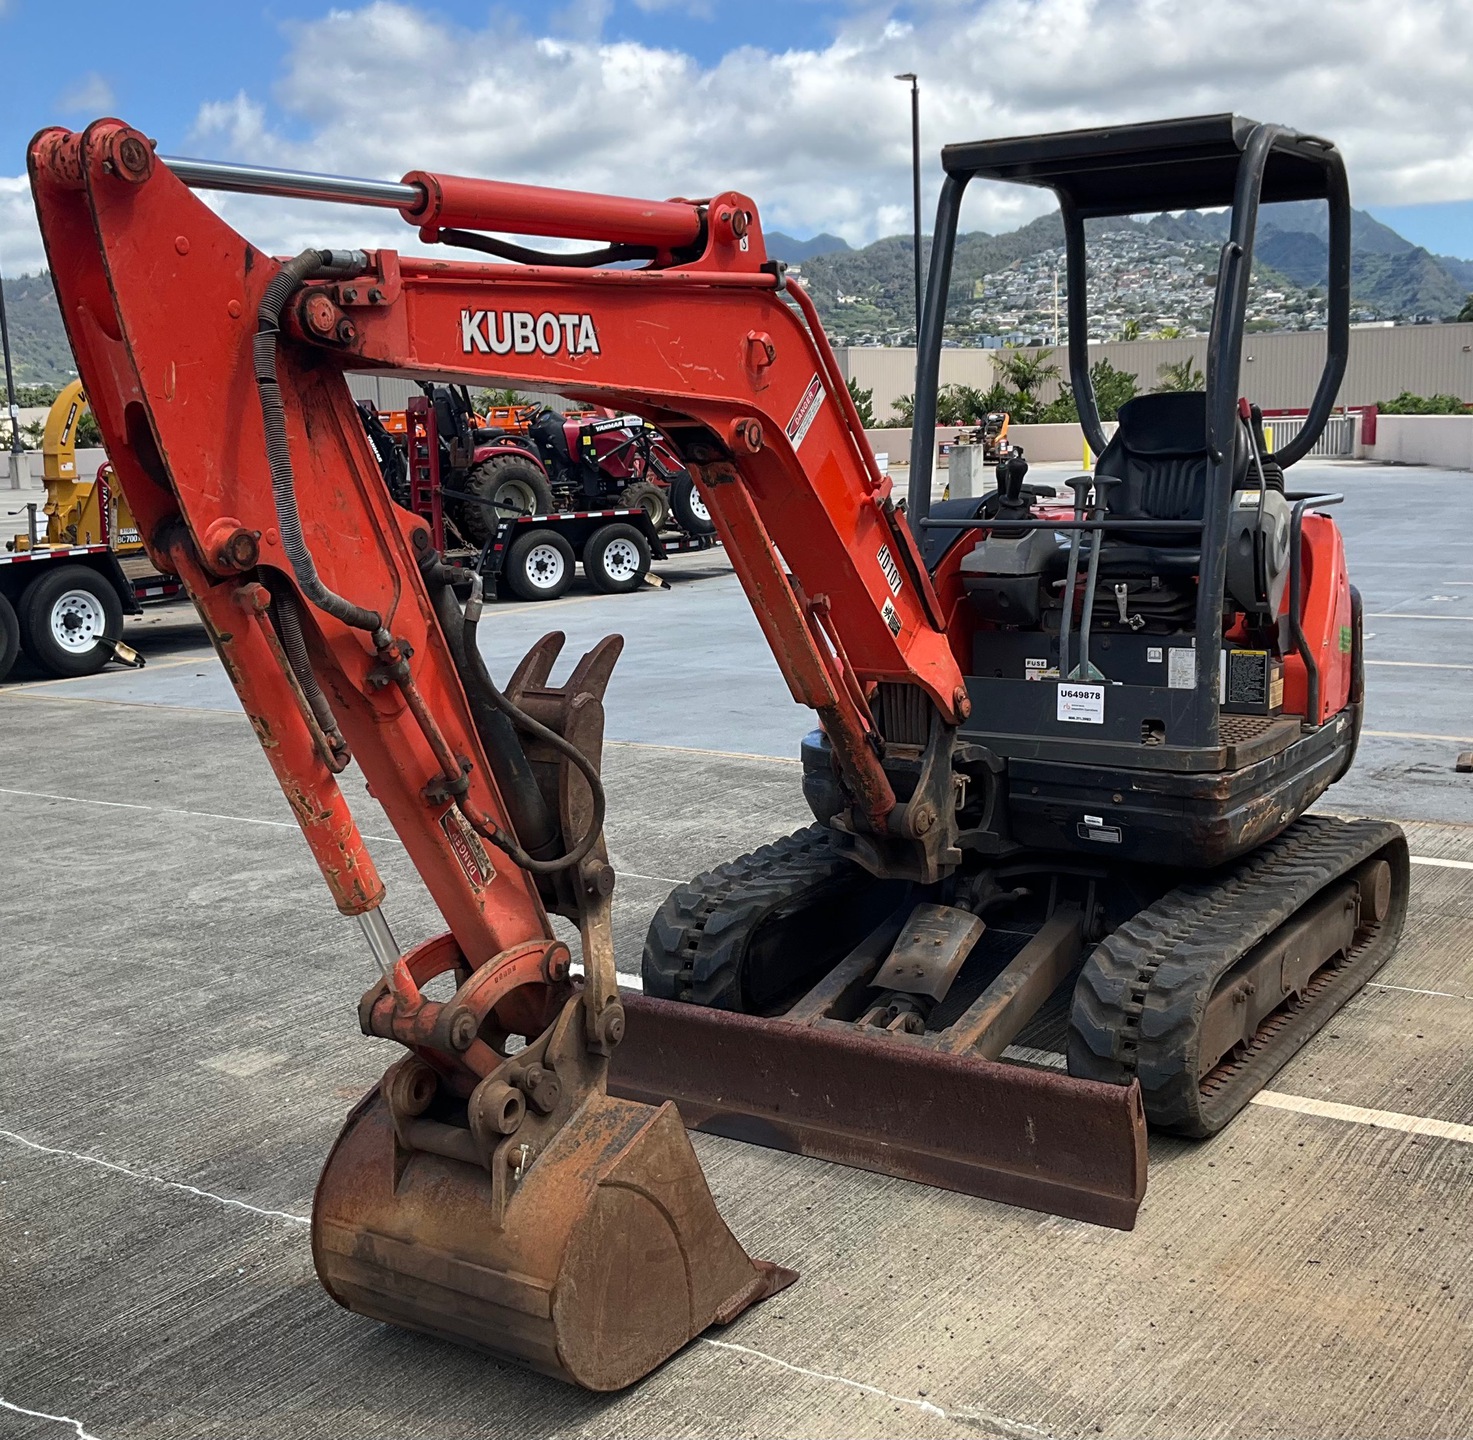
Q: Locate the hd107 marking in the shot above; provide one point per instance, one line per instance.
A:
(502, 332)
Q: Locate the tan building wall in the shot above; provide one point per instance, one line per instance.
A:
(891, 371)
(1279, 371)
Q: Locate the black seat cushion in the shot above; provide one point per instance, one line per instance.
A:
(1159, 455)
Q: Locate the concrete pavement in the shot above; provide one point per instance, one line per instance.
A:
(180, 1047)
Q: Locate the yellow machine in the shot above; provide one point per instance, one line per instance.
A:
(78, 511)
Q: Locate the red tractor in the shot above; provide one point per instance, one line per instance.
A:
(579, 461)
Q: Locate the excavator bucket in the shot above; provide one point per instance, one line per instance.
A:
(609, 1256)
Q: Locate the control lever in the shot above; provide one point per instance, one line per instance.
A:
(1122, 604)
(1085, 670)
(1080, 485)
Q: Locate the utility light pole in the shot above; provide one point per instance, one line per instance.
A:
(17, 450)
(915, 165)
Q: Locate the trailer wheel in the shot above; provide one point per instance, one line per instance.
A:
(616, 558)
(649, 497)
(512, 485)
(9, 636)
(539, 565)
(690, 509)
(66, 615)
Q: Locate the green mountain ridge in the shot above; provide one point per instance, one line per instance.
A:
(1389, 275)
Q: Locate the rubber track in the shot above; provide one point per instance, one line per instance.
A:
(1140, 999)
(696, 940)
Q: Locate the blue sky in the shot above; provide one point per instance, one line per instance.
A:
(791, 101)
(1444, 229)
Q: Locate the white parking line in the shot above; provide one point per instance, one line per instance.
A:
(153, 1179)
(1359, 1115)
(1441, 863)
(1419, 664)
(1402, 615)
(1418, 735)
(82, 1432)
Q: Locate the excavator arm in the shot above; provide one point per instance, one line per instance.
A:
(491, 1189)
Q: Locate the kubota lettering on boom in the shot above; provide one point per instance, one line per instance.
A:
(519, 332)
(1099, 720)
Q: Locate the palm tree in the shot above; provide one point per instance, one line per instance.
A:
(1026, 372)
(1180, 375)
(1131, 330)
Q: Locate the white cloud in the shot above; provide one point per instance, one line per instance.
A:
(820, 138)
(89, 95)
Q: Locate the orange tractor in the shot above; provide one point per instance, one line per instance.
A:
(1058, 783)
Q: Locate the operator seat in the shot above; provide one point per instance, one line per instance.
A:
(1158, 455)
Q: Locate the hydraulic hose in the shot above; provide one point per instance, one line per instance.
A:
(476, 668)
(289, 627)
(278, 451)
(509, 764)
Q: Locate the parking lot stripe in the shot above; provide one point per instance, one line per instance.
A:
(692, 750)
(1412, 990)
(152, 1179)
(82, 1432)
(157, 665)
(1359, 1115)
(1418, 735)
(1441, 863)
(1420, 664)
(993, 1422)
(1402, 615)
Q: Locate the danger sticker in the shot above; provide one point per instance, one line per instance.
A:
(803, 416)
(892, 617)
(467, 848)
(1082, 704)
(1181, 669)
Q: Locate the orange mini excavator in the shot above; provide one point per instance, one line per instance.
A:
(1095, 724)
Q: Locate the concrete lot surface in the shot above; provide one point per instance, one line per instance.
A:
(179, 1048)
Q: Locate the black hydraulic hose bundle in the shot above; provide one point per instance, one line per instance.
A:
(480, 679)
(529, 814)
(294, 645)
(278, 450)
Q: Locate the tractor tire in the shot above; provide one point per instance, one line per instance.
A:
(65, 617)
(539, 565)
(690, 509)
(9, 636)
(653, 499)
(510, 485)
(616, 558)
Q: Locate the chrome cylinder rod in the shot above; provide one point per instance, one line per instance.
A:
(380, 941)
(296, 184)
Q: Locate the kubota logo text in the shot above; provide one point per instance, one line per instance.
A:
(519, 332)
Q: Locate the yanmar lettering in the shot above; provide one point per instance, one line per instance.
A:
(519, 332)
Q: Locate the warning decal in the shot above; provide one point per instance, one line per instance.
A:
(467, 847)
(807, 409)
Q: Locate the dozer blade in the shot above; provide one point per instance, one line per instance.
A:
(610, 1255)
(1004, 1132)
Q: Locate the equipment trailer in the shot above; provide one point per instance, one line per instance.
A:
(530, 556)
(1100, 724)
(63, 603)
